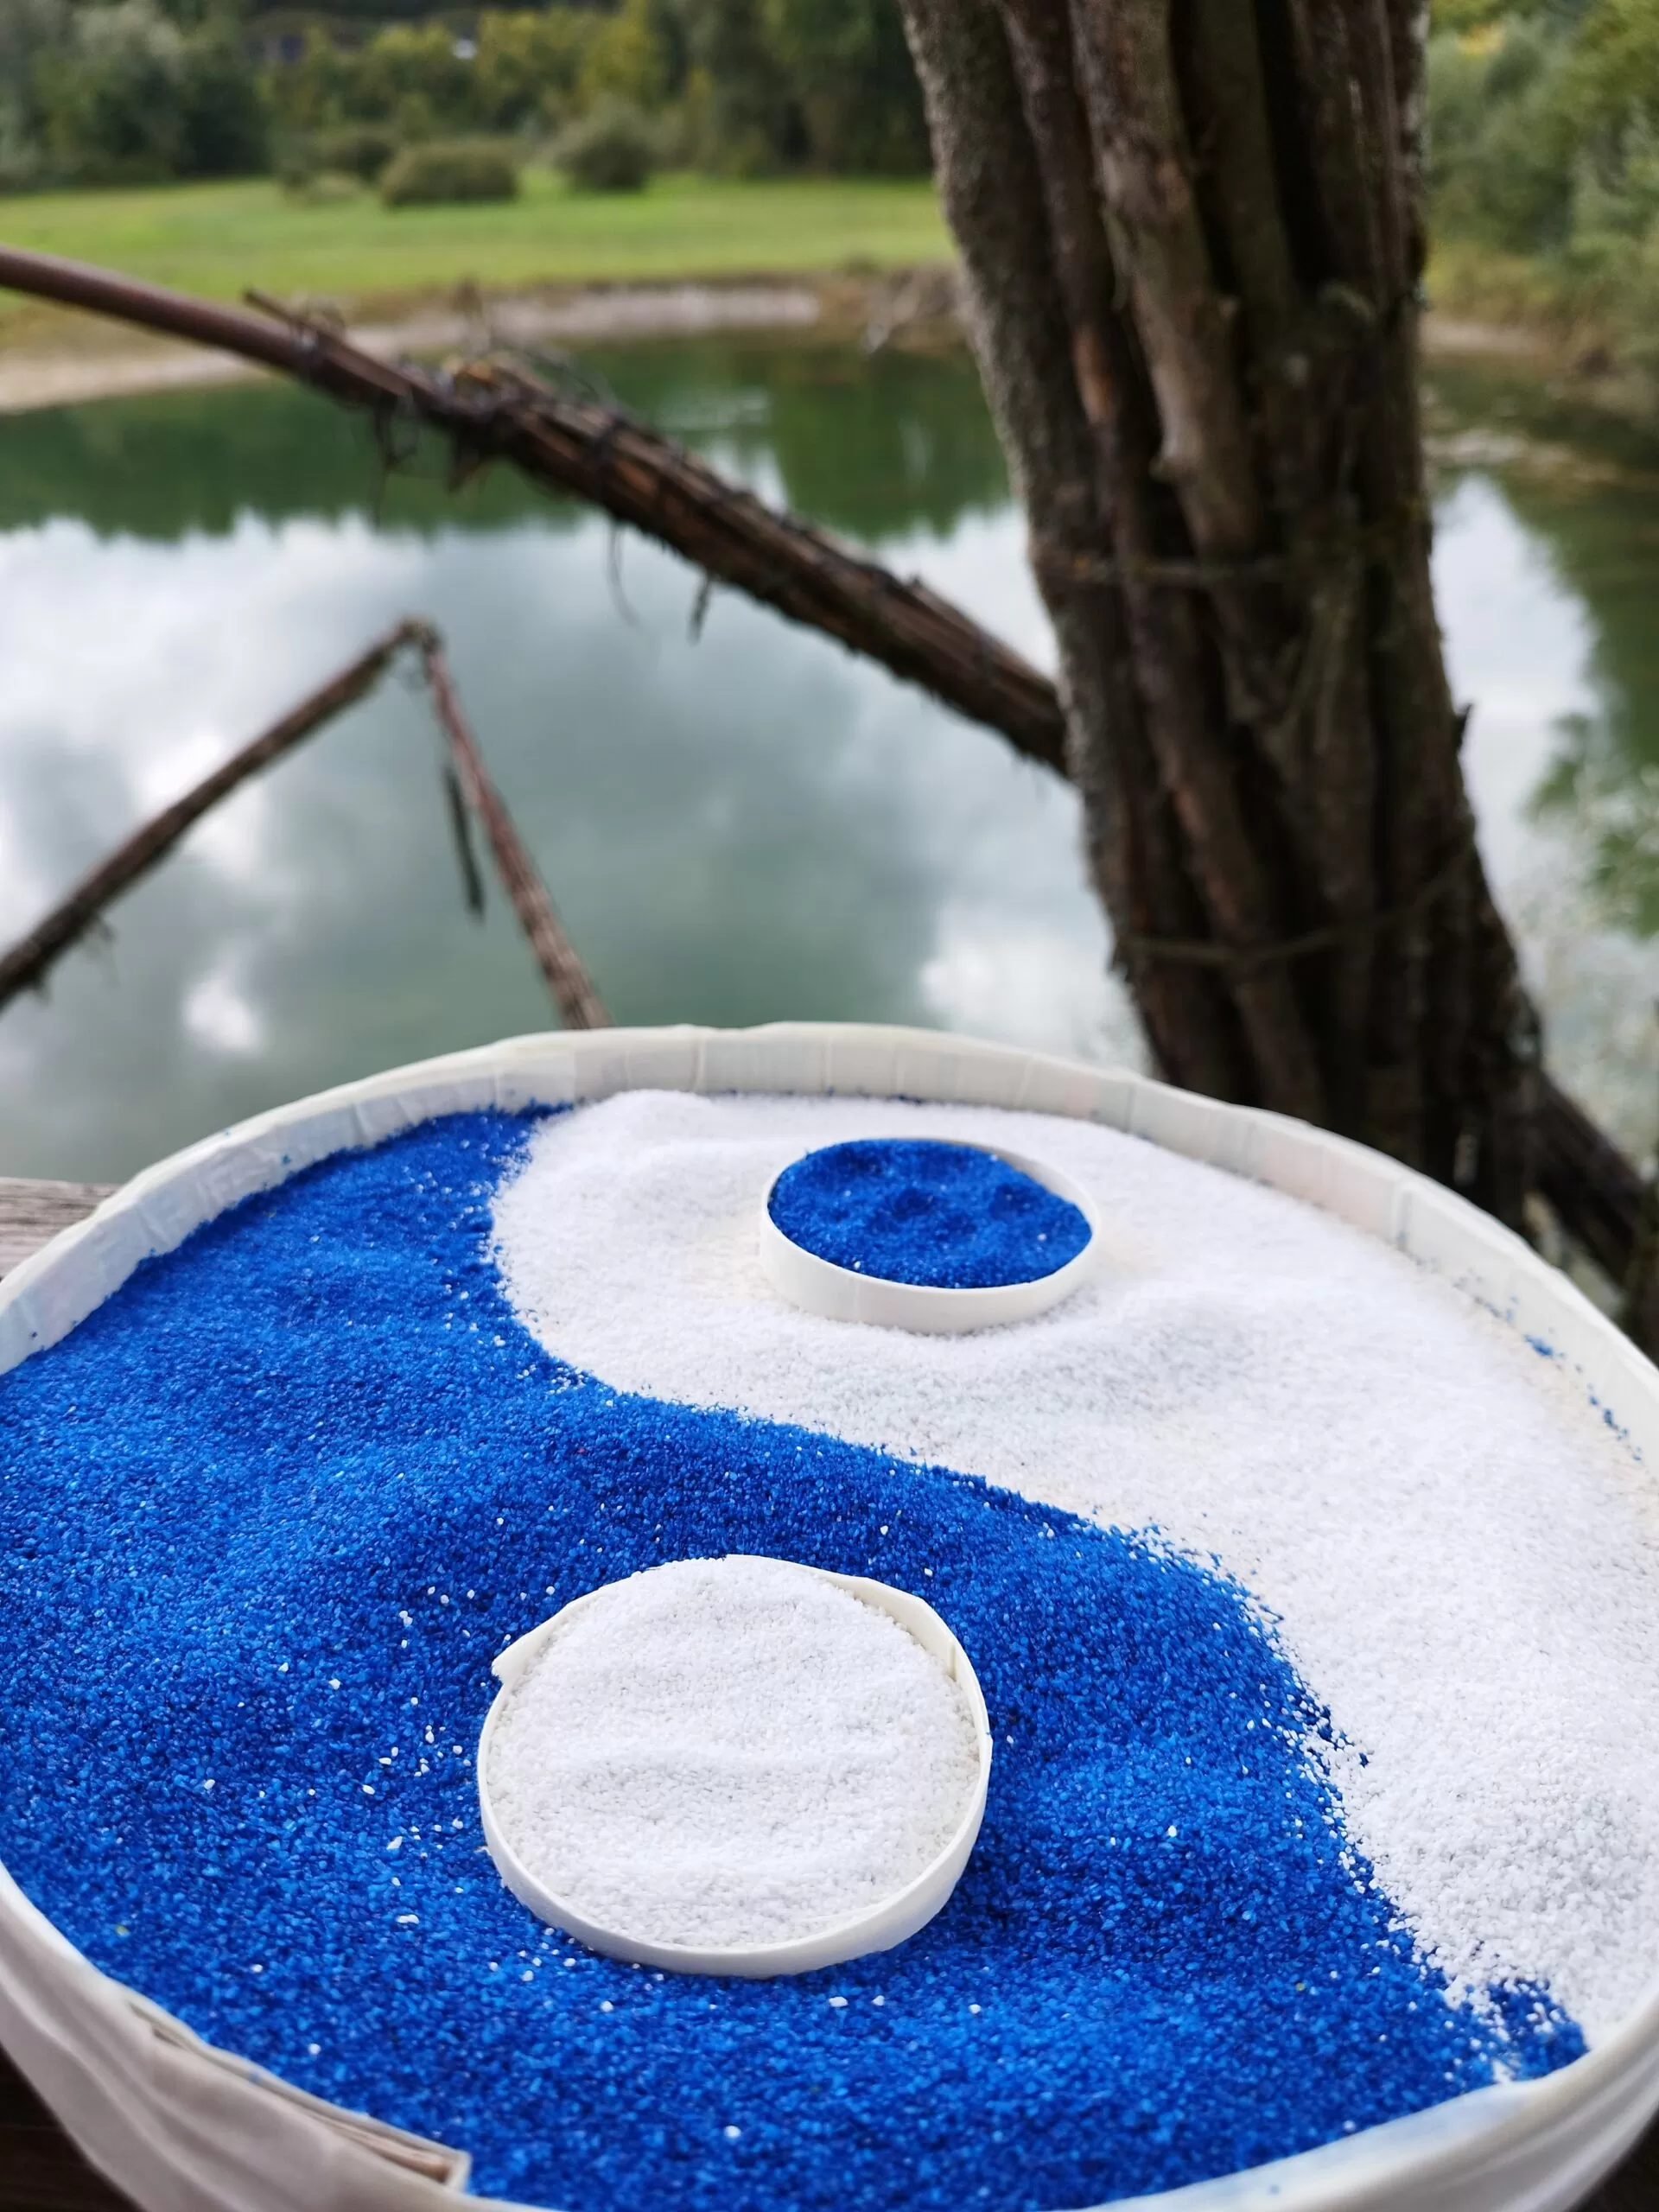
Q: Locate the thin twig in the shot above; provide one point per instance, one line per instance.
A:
(31, 958)
(580, 1005)
(460, 829)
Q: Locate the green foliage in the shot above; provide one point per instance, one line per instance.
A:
(364, 150)
(407, 78)
(445, 172)
(225, 130)
(528, 68)
(321, 163)
(111, 98)
(126, 95)
(859, 98)
(1502, 142)
(628, 58)
(1544, 144)
(612, 149)
(125, 90)
(30, 30)
(744, 119)
(412, 76)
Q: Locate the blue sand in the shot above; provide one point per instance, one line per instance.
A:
(267, 1515)
(910, 1210)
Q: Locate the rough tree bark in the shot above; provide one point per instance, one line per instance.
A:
(1192, 238)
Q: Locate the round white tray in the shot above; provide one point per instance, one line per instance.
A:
(893, 1921)
(182, 2127)
(839, 1293)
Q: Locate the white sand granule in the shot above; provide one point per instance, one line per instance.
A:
(730, 1752)
(1463, 1559)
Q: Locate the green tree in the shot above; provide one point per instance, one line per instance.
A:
(225, 130)
(628, 58)
(529, 66)
(851, 73)
(1502, 145)
(128, 96)
(412, 76)
(30, 30)
(315, 92)
(746, 119)
(113, 97)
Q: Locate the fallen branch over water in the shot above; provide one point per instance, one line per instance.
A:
(579, 1003)
(31, 959)
(492, 412)
(619, 464)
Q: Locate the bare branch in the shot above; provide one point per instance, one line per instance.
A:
(580, 1005)
(31, 958)
(616, 462)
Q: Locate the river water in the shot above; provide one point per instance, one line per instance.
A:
(739, 826)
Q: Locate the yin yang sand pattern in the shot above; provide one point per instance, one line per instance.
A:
(1306, 1598)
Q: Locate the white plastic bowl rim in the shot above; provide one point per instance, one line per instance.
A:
(893, 1919)
(838, 1293)
(183, 2127)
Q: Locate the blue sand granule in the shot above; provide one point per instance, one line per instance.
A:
(912, 1210)
(264, 1519)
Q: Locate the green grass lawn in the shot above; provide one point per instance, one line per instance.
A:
(217, 238)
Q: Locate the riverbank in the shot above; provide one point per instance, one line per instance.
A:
(1572, 331)
(857, 259)
(60, 359)
(368, 261)
(63, 358)
(554, 268)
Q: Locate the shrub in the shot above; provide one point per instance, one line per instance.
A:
(362, 149)
(614, 148)
(448, 169)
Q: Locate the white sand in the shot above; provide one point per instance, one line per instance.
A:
(1463, 1558)
(730, 1752)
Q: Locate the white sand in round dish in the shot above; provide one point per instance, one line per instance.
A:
(727, 1752)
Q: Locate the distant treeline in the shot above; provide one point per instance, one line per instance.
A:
(1544, 158)
(103, 92)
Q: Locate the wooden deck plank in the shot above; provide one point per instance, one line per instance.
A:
(31, 1211)
(41, 2170)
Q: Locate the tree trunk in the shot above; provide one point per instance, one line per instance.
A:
(1192, 236)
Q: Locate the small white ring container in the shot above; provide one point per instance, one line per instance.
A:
(896, 1919)
(839, 1293)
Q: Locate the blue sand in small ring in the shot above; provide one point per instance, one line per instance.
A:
(266, 1517)
(914, 1209)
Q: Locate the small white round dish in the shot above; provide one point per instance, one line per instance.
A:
(838, 1293)
(890, 1921)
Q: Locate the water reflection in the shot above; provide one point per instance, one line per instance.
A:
(748, 827)
(1547, 556)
